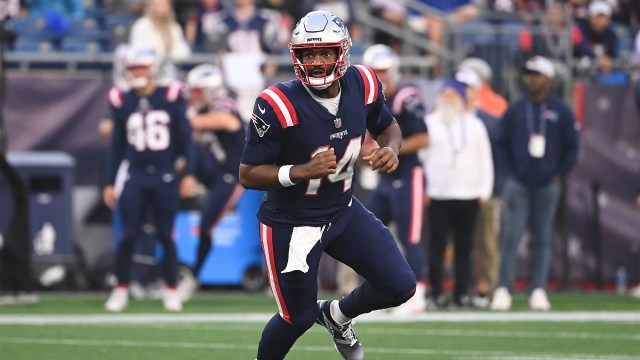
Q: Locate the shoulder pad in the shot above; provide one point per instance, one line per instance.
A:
(174, 91)
(281, 105)
(370, 83)
(116, 99)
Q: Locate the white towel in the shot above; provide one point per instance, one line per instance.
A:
(303, 239)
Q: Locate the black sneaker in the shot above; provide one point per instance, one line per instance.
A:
(344, 338)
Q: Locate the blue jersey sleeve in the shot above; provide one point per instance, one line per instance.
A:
(411, 115)
(265, 136)
(379, 117)
(185, 139)
(117, 147)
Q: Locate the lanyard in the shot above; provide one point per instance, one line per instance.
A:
(543, 119)
(463, 136)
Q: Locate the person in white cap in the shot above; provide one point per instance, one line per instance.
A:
(485, 252)
(486, 99)
(599, 35)
(541, 144)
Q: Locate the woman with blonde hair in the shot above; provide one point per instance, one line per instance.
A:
(158, 29)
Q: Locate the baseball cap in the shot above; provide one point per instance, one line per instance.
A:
(480, 66)
(469, 77)
(540, 65)
(599, 7)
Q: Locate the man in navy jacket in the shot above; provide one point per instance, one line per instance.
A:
(541, 145)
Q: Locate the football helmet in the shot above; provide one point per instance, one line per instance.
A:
(209, 78)
(382, 57)
(137, 56)
(320, 29)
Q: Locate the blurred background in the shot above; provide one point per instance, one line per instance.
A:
(60, 58)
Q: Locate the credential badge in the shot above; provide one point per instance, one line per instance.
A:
(337, 122)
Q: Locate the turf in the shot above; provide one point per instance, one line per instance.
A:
(144, 332)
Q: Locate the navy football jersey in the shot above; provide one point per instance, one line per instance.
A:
(150, 131)
(225, 146)
(289, 127)
(258, 33)
(407, 107)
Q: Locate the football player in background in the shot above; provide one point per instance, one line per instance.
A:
(302, 148)
(220, 137)
(150, 134)
(399, 195)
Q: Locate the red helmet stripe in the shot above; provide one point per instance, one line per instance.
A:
(370, 84)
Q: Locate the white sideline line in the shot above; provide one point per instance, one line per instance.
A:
(573, 316)
(466, 354)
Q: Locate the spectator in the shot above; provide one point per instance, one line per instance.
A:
(600, 37)
(150, 133)
(293, 10)
(220, 138)
(459, 174)
(159, 30)
(487, 227)
(204, 17)
(399, 196)
(392, 12)
(486, 99)
(541, 145)
(302, 146)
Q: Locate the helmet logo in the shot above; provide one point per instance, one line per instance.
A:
(314, 39)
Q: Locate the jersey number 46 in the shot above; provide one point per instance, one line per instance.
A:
(149, 131)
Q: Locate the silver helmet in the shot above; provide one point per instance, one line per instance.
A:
(141, 56)
(382, 57)
(320, 29)
(209, 78)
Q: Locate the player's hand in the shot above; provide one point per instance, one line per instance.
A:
(638, 200)
(188, 186)
(323, 164)
(384, 160)
(109, 196)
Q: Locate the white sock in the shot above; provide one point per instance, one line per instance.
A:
(337, 314)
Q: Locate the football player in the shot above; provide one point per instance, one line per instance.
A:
(302, 148)
(150, 134)
(399, 195)
(220, 138)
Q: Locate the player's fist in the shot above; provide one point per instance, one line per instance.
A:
(384, 160)
(322, 164)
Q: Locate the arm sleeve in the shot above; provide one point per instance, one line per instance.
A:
(570, 143)
(185, 136)
(265, 136)
(411, 118)
(116, 150)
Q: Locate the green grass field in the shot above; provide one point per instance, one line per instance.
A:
(227, 325)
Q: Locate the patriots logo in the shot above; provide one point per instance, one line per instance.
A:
(261, 126)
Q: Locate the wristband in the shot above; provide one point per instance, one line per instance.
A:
(283, 176)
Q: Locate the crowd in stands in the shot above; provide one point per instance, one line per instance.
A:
(597, 33)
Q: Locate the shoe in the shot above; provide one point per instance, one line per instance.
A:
(635, 292)
(118, 300)
(480, 301)
(538, 300)
(501, 300)
(187, 285)
(171, 300)
(27, 298)
(344, 338)
(441, 302)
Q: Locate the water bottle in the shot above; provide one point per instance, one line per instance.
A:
(621, 281)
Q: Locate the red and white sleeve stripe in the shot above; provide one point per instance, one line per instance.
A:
(370, 84)
(401, 97)
(173, 91)
(115, 97)
(281, 106)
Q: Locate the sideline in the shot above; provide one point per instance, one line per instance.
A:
(568, 316)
